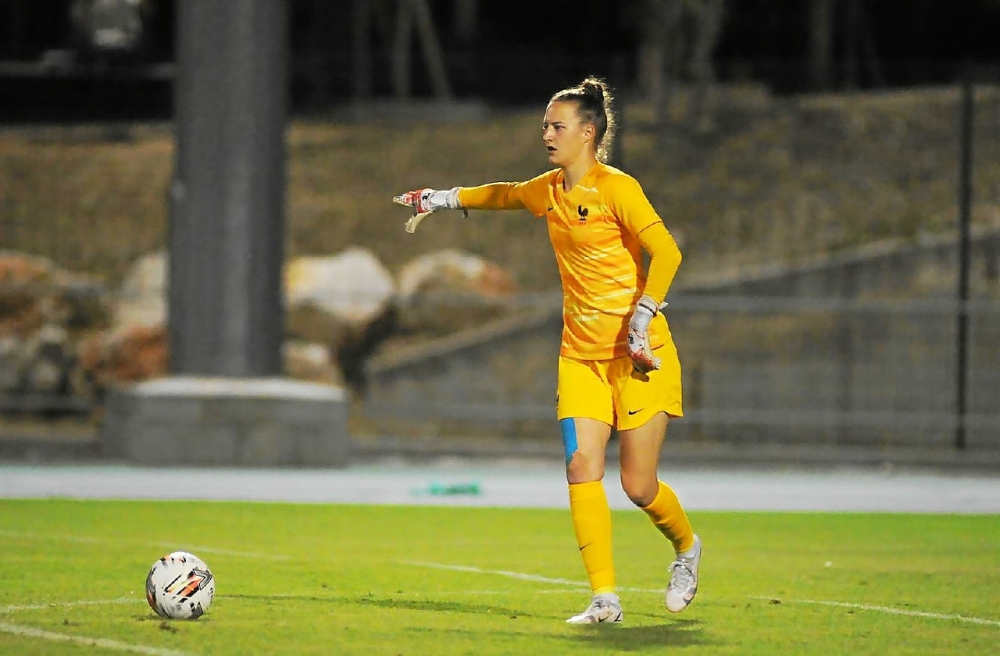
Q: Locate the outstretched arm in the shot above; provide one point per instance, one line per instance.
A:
(494, 196)
(531, 195)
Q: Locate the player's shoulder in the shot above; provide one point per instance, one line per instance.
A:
(615, 180)
(548, 176)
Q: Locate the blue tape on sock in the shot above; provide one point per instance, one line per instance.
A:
(568, 427)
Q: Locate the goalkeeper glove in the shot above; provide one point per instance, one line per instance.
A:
(639, 352)
(427, 201)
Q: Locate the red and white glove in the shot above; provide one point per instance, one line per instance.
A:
(639, 352)
(427, 201)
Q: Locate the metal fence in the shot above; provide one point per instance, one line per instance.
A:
(756, 370)
(831, 371)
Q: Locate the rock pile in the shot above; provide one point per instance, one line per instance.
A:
(67, 337)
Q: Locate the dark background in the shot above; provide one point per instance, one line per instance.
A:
(521, 50)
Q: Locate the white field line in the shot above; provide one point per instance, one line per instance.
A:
(877, 609)
(160, 545)
(512, 575)
(889, 610)
(516, 575)
(496, 593)
(6, 610)
(28, 632)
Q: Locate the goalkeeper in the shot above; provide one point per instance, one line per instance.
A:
(618, 367)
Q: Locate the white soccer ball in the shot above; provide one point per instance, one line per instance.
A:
(180, 586)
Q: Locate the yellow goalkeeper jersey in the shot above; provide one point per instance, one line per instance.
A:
(594, 229)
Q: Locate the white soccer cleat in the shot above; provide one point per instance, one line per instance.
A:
(684, 578)
(603, 608)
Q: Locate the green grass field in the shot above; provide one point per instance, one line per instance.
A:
(338, 579)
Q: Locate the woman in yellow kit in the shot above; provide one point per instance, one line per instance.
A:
(618, 366)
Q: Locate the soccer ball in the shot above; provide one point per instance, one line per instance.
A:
(180, 586)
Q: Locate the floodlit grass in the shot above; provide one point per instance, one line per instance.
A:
(337, 579)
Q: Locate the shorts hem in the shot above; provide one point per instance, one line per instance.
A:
(641, 420)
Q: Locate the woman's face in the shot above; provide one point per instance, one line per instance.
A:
(566, 138)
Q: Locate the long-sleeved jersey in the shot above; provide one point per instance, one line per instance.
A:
(598, 230)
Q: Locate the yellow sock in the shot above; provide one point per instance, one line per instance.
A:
(668, 515)
(592, 522)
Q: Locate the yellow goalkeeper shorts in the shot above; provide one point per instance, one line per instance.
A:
(613, 392)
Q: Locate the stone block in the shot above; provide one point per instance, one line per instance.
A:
(262, 422)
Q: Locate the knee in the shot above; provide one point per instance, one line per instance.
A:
(582, 469)
(640, 500)
(639, 489)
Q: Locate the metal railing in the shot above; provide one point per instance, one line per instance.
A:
(755, 369)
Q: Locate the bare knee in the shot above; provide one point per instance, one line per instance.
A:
(585, 441)
(584, 469)
(640, 489)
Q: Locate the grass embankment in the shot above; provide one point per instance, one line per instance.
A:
(776, 180)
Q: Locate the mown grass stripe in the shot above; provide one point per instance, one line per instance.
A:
(6, 610)
(82, 539)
